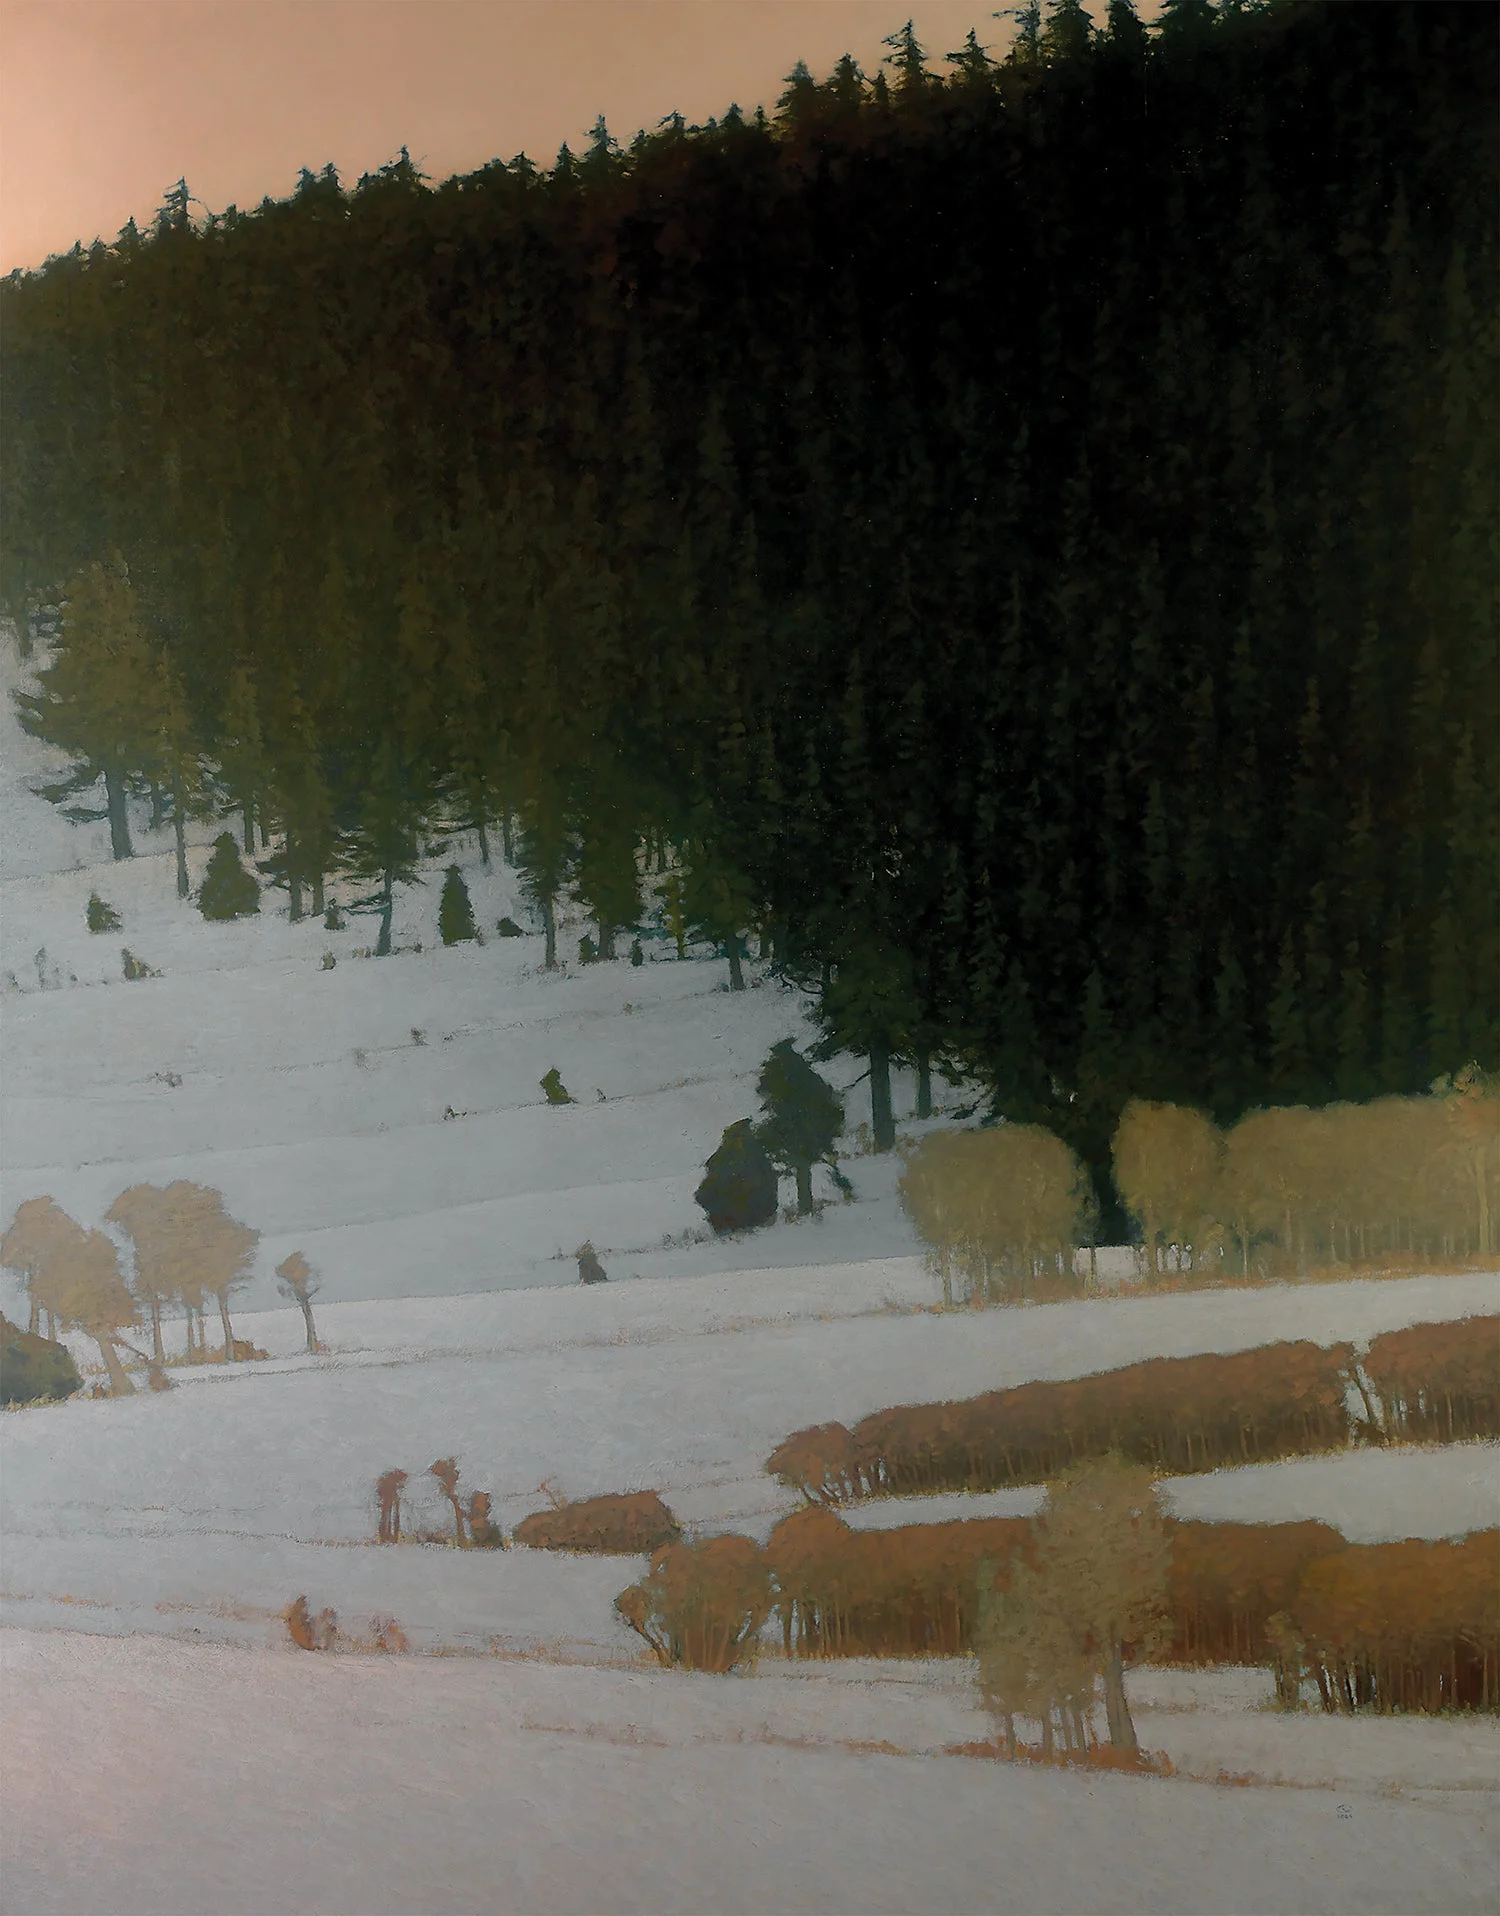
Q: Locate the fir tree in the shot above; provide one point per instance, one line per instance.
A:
(803, 1117)
(228, 890)
(455, 913)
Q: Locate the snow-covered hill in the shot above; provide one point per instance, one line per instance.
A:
(163, 1745)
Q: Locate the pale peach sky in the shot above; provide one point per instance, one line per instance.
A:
(104, 103)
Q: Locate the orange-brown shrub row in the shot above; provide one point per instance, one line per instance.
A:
(702, 1604)
(1438, 1382)
(1176, 1413)
(1405, 1626)
(1227, 1580)
(627, 1525)
(912, 1591)
(1408, 1626)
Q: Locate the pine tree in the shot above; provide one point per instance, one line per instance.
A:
(228, 890)
(803, 1117)
(455, 913)
(97, 698)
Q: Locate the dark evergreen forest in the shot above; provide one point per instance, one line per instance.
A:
(1020, 537)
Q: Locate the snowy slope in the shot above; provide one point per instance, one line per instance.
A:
(157, 1780)
(151, 1544)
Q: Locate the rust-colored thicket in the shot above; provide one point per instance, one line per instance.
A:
(702, 1604)
(627, 1525)
(823, 1462)
(1438, 1383)
(1405, 1626)
(1179, 1414)
(912, 1591)
(1228, 1580)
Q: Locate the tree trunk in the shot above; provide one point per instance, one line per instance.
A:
(249, 832)
(507, 838)
(223, 1297)
(549, 928)
(1116, 1709)
(1010, 1736)
(484, 841)
(736, 964)
(767, 950)
(319, 903)
(179, 834)
(158, 1351)
(294, 897)
(606, 940)
(804, 1190)
(265, 835)
(158, 808)
(882, 1122)
(387, 905)
(119, 1384)
(312, 1335)
(924, 1084)
(119, 816)
(35, 1323)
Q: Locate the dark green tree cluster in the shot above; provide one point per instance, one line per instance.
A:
(1019, 536)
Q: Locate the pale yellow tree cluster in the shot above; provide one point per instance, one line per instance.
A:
(1090, 1593)
(1002, 1209)
(187, 1249)
(1293, 1188)
(74, 1276)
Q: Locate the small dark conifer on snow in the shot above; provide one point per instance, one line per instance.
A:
(455, 913)
(228, 890)
(102, 917)
(739, 1188)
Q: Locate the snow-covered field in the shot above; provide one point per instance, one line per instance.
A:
(163, 1747)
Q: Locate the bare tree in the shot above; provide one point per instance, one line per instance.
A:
(295, 1279)
(446, 1472)
(388, 1489)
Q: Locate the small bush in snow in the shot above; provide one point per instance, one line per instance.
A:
(557, 1092)
(101, 917)
(626, 1525)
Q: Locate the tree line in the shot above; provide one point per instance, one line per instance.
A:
(1006, 1211)
(1432, 1382)
(1009, 531)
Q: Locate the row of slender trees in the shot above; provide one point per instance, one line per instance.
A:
(186, 1249)
(1005, 1211)
(1011, 530)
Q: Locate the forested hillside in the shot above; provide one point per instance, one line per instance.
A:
(1020, 536)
